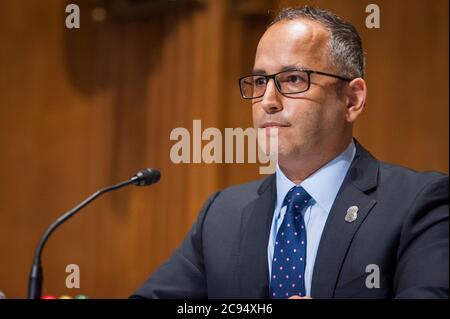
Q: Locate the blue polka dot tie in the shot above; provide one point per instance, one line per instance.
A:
(289, 258)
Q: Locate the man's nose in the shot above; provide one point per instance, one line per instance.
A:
(271, 102)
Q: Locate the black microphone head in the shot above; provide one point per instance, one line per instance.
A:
(146, 177)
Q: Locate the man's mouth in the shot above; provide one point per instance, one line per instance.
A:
(274, 125)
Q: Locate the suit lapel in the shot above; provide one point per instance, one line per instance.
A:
(338, 234)
(253, 273)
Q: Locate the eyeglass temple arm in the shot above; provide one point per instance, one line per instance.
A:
(329, 74)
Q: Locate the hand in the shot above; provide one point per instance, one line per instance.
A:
(298, 297)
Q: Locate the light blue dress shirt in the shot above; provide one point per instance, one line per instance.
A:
(323, 186)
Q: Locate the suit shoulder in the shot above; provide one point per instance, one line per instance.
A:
(407, 178)
(240, 195)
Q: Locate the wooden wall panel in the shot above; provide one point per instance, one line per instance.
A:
(82, 109)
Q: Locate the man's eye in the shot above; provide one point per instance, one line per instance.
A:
(294, 79)
(259, 81)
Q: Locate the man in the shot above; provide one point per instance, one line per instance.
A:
(333, 222)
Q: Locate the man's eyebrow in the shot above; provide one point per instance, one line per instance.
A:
(294, 67)
(259, 72)
(285, 68)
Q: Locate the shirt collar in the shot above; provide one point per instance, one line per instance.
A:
(323, 185)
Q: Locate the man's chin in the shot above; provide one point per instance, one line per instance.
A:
(289, 153)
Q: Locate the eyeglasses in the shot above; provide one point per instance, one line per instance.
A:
(287, 82)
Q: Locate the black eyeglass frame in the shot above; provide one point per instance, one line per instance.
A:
(272, 76)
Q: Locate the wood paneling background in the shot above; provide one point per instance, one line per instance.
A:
(84, 108)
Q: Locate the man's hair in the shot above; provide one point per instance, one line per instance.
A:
(345, 47)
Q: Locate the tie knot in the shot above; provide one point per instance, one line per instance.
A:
(296, 199)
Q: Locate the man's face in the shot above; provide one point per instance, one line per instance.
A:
(311, 122)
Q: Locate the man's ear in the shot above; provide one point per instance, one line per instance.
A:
(356, 99)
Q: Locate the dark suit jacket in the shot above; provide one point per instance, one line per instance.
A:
(402, 227)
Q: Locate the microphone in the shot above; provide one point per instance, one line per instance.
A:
(145, 177)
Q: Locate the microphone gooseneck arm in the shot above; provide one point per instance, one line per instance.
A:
(36, 274)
